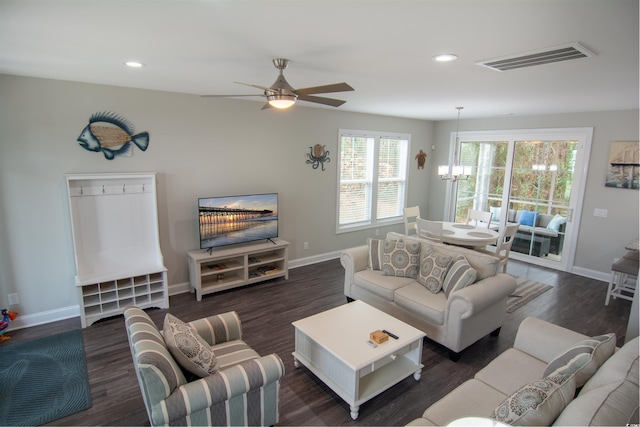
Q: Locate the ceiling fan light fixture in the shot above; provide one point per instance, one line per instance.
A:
(281, 101)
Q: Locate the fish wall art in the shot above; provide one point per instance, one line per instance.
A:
(112, 135)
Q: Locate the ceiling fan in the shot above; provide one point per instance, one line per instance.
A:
(282, 95)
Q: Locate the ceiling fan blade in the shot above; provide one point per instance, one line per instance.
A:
(321, 100)
(268, 89)
(336, 87)
(229, 96)
(266, 106)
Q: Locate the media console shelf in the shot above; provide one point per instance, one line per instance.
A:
(237, 266)
(114, 221)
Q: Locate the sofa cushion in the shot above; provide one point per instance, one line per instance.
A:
(616, 368)
(189, 349)
(460, 275)
(485, 265)
(376, 283)
(433, 268)
(537, 403)
(401, 259)
(418, 300)
(230, 353)
(528, 218)
(510, 369)
(472, 398)
(613, 404)
(583, 358)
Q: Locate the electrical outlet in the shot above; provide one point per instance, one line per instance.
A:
(13, 299)
(306, 245)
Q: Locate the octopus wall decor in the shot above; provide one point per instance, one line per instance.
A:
(317, 156)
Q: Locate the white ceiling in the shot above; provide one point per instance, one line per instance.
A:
(381, 48)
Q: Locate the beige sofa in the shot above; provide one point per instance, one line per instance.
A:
(456, 321)
(598, 386)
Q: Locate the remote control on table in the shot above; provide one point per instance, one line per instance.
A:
(394, 336)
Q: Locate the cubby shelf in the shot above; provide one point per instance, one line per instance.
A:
(237, 266)
(114, 221)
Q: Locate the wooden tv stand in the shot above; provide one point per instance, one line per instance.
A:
(227, 268)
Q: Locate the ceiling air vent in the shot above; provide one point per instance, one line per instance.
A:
(538, 57)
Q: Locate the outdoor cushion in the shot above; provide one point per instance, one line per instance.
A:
(556, 222)
(528, 218)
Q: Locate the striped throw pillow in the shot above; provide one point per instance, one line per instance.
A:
(377, 249)
(583, 358)
(460, 275)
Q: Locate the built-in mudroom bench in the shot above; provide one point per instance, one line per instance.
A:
(114, 221)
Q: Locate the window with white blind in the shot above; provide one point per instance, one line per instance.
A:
(372, 178)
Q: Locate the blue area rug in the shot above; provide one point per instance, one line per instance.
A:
(43, 380)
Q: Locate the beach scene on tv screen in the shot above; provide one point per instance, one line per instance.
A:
(237, 219)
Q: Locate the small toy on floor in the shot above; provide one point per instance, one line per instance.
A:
(8, 317)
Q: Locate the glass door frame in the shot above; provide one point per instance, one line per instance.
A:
(584, 136)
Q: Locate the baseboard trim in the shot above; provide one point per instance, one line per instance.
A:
(592, 274)
(43, 317)
(28, 320)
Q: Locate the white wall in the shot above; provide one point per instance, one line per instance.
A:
(600, 239)
(207, 147)
(199, 147)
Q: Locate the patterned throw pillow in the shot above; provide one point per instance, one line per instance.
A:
(583, 358)
(460, 275)
(401, 259)
(433, 268)
(538, 403)
(188, 348)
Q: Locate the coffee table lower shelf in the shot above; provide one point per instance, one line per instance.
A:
(356, 386)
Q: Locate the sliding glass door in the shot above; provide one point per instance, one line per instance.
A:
(533, 178)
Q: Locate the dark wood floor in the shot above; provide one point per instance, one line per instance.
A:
(267, 311)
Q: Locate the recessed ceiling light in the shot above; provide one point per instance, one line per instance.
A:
(134, 64)
(445, 57)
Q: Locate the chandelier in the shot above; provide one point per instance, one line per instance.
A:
(458, 172)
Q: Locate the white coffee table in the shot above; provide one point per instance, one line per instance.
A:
(334, 346)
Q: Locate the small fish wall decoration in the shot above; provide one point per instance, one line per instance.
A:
(112, 135)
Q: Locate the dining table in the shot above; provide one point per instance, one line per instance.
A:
(461, 234)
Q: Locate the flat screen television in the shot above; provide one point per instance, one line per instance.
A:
(232, 220)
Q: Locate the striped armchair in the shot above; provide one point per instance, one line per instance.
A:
(244, 391)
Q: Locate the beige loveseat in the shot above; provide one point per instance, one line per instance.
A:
(455, 321)
(551, 376)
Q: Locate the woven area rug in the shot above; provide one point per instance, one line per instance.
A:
(526, 291)
(43, 380)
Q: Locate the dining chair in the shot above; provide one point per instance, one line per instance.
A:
(410, 216)
(479, 218)
(430, 230)
(503, 244)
